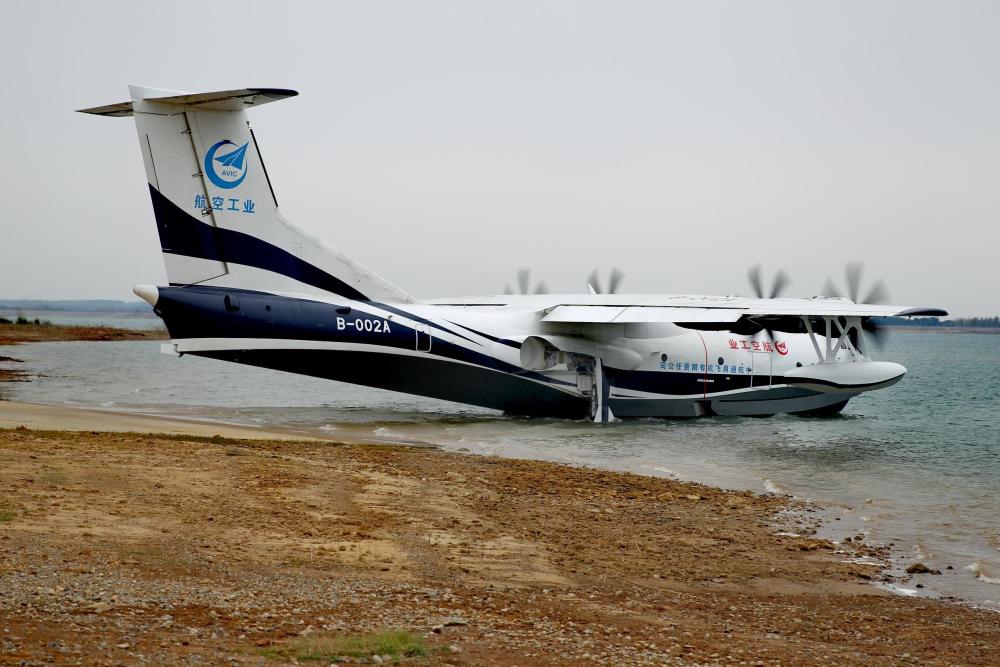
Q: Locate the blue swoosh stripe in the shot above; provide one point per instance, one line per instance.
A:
(181, 234)
(502, 341)
(194, 312)
(422, 320)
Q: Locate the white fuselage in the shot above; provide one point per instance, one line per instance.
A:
(474, 352)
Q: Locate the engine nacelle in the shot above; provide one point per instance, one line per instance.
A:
(537, 354)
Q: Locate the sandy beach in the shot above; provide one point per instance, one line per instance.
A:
(128, 548)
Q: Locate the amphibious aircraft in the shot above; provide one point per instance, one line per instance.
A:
(247, 286)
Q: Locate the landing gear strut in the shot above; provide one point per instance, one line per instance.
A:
(599, 408)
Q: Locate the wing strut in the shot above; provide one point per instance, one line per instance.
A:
(829, 351)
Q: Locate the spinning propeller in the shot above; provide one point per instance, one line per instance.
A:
(523, 281)
(614, 281)
(878, 294)
(781, 281)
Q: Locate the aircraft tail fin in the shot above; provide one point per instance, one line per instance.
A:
(215, 208)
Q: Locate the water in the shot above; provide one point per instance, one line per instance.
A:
(917, 465)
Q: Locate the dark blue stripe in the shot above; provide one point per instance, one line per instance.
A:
(417, 318)
(678, 383)
(502, 341)
(420, 375)
(198, 312)
(181, 234)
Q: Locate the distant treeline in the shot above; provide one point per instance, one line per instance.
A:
(25, 321)
(87, 305)
(987, 322)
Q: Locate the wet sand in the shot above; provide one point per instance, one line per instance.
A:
(63, 418)
(126, 548)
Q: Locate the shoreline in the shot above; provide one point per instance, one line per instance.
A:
(254, 546)
(49, 417)
(802, 516)
(941, 329)
(46, 417)
(46, 332)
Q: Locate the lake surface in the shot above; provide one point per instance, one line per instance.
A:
(916, 465)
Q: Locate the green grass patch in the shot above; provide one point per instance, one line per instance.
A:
(24, 321)
(397, 644)
(6, 515)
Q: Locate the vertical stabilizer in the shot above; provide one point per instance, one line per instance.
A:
(215, 208)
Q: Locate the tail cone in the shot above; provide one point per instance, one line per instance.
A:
(147, 293)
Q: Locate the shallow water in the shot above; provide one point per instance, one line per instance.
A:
(917, 465)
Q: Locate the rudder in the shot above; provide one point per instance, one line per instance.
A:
(216, 211)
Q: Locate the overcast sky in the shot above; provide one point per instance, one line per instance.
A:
(447, 144)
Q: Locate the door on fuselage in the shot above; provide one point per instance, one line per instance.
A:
(423, 338)
(760, 371)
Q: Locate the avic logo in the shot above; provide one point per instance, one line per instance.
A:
(229, 169)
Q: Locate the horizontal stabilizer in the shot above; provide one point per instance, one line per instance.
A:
(119, 110)
(226, 100)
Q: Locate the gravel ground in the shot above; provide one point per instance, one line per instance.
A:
(129, 549)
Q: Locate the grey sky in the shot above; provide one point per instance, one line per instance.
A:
(445, 145)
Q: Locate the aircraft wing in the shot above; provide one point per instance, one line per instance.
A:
(722, 310)
(636, 314)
